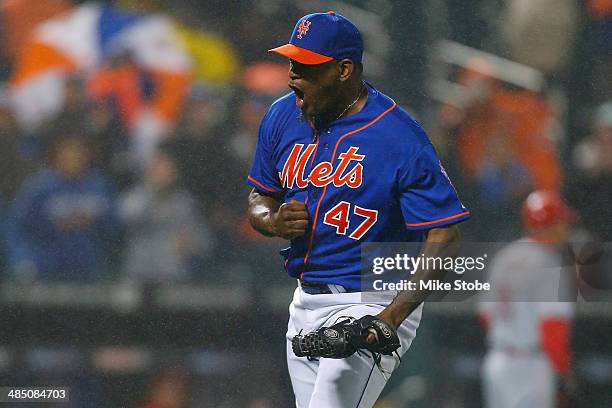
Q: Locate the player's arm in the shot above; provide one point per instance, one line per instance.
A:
(555, 335)
(271, 217)
(440, 242)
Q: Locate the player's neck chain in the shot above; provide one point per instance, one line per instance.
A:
(352, 103)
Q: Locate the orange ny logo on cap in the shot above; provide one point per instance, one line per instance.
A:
(303, 28)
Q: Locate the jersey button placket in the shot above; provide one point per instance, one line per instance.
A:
(313, 192)
(321, 155)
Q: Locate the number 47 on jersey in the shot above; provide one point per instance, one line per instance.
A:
(339, 215)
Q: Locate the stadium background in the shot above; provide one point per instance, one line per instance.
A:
(165, 298)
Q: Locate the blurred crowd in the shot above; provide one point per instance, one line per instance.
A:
(125, 154)
(509, 129)
(127, 130)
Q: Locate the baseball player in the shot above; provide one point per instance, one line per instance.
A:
(339, 163)
(528, 330)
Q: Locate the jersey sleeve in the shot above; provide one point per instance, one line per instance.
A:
(263, 175)
(427, 196)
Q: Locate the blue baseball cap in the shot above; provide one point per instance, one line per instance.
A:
(322, 37)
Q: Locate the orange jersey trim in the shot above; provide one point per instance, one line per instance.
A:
(419, 224)
(251, 179)
(314, 222)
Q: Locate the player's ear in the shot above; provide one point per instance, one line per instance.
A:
(345, 69)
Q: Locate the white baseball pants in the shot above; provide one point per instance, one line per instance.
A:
(353, 382)
(517, 381)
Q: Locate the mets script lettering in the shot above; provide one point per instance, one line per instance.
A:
(323, 173)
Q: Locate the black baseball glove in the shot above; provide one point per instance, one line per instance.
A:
(346, 337)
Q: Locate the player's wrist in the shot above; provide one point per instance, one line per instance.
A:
(391, 316)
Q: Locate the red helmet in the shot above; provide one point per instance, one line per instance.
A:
(544, 208)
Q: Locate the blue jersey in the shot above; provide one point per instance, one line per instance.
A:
(373, 176)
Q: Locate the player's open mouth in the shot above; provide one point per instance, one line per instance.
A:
(299, 96)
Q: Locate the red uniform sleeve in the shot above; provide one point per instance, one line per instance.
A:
(555, 334)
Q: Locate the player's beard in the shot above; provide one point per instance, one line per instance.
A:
(318, 122)
(323, 103)
(321, 120)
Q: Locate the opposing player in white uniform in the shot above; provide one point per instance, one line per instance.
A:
(528, 313)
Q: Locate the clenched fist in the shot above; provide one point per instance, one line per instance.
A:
(291, 220)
